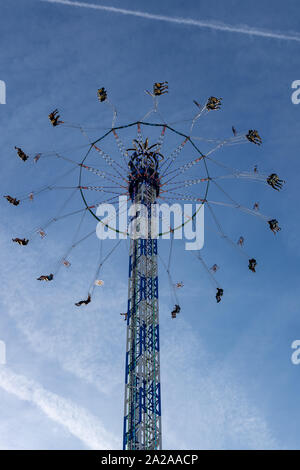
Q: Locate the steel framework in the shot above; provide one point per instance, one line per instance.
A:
(142, 416)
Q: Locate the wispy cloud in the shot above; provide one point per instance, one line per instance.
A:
(82, 355)
(216, 26)
(219, 413)
(82, 341)
(77, 420)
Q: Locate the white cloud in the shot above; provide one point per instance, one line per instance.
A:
(77, 420)
(84, 341)
(203, 404)
(207, 407)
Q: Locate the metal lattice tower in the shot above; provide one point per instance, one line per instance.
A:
(142, 416)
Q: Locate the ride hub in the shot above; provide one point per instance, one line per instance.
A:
(143, 166)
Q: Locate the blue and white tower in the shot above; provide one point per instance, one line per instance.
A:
(142, 416)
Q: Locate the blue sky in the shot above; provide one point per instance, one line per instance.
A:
(226, 371)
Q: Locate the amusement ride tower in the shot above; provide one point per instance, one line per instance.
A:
(142, 417)
(141, 177)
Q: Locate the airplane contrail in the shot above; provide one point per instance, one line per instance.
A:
(185, 21)
(79, 422)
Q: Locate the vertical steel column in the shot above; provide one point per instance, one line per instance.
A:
(142, 415)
